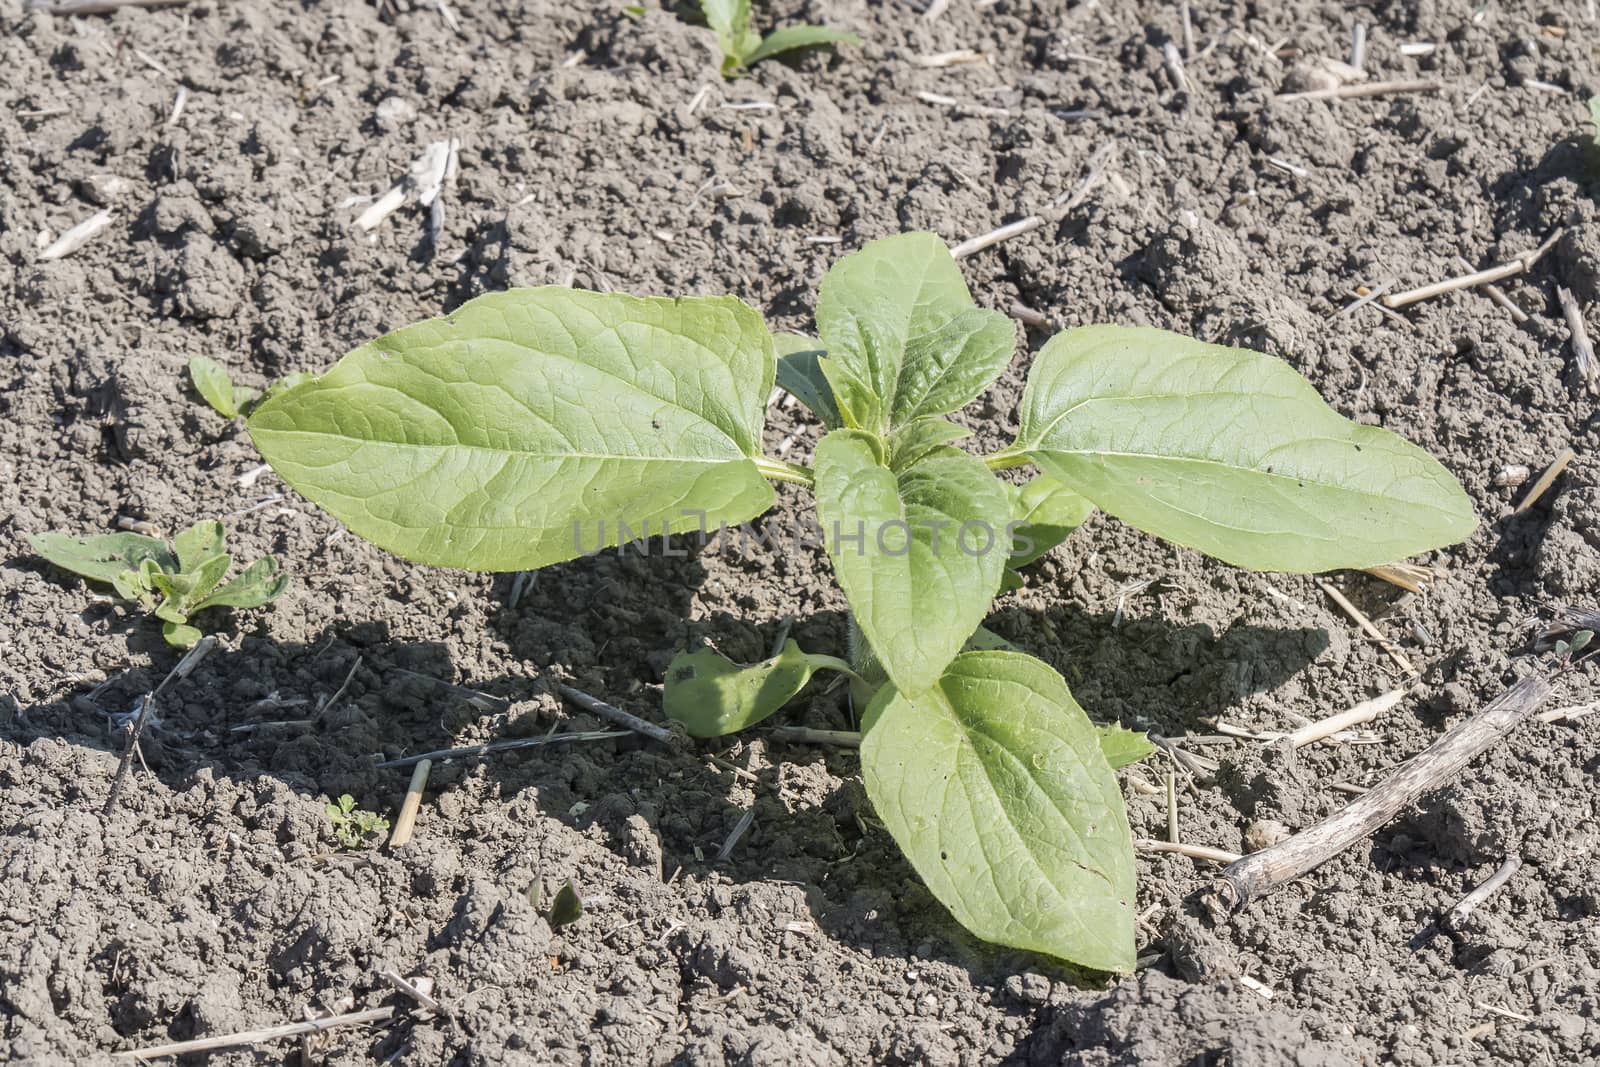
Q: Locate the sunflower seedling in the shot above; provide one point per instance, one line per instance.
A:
(743, 46)
(537, 425)
(172, 581)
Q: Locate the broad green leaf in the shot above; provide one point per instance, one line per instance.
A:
(199, 544)
(180, 635)
(251, 588)
(130, 585)
(530, 426)
(995, 786)
(919, 552)
(792, 37)
(1123, 746)
(800, 373)
(711, 695)
(103, 557)
(183, 590)
(903, 335)
(1047, 512)
(567, 908)
(1230, 452)
(214, 385)
(911, 442)
(152, 576)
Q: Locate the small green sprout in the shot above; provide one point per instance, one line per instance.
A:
(351, 826)
(743, 46)
(172, 581)
(1569, 653)
(212, 382)
(565, 909)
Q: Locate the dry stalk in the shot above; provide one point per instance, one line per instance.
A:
(1368, 628)
(1345, 92)
(1194, 852)
(407, 819)
(615, 714)
(1457, 915)
(1264, 872)
(1582, 348)
(255, 1037)
(1546, 480)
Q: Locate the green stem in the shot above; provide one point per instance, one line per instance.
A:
(776, 470)
(833, 663)
(1007, 459)
(868, 674)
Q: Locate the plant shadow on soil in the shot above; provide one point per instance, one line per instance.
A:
(666, 807)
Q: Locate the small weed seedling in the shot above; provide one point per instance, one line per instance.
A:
(215, 386)
(566, 907)
(535, 425)
(351, 826)
(173, 581)
(743, 47)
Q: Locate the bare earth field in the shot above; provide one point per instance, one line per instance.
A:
(214, 900)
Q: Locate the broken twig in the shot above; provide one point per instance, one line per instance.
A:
(737, 832)
(406, 821)
(1408, 576)
(77, 237)
(1370, 630)
(1499, 272)
(995, 236)
(615, 714)
(1582, 348)
(1264, 872)
(1546, 480)
(442, 754)
(804, 735)
(253, 1037)
(1344, 92)
(185, 666)
(1194, 852)
(1365, 711)
(1457, 915)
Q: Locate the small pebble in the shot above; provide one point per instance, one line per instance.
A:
(1512, 475)
(1264, 833)
(394, 112)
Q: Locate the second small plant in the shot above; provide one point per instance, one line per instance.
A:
(174, 581)
(742, 44)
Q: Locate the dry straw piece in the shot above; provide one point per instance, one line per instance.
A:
(1546, 480)
(407, 820)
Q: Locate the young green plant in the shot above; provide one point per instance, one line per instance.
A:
(351, 826)
(172, 581)
(743, 46)
(215, 386)
(531, 426)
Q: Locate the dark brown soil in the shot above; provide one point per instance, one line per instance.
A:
(214, 900)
